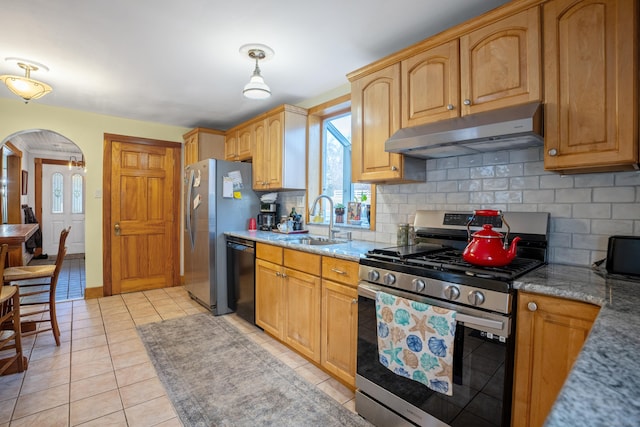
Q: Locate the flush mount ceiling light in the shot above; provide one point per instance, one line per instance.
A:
(26, 87)
(256, 88)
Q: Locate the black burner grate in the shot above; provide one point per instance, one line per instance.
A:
(433, 257)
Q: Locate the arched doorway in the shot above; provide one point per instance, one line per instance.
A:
(53, 168)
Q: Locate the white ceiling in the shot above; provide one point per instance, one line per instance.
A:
(177, 62)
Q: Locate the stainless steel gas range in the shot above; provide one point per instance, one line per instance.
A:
(433, 272)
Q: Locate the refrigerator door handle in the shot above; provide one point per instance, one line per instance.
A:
(189, 210)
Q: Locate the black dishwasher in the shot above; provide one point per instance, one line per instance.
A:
(241, 257)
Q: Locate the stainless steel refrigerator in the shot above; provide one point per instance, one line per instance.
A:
(210, 210)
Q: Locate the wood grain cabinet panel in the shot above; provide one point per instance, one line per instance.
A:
(500, 63)
(238, 144)
(339, 330)
(201, 143)
(375, 116)
(431, 85)
(591, 85)
(269, 297)
(288, 298)
(280, 142)
(550, 333)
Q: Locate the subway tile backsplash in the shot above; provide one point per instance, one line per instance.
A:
(585, 209)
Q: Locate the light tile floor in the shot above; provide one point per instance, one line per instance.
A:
(101, 374)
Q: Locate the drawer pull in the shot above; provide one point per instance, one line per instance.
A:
(335, 270)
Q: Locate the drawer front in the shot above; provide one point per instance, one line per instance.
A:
(269, 253)
(302, 261)
(340, 270)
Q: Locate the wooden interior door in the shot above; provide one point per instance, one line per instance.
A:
(141, 199)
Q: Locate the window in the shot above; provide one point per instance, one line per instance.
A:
(333, 141)
(57, 185)
(77, 191)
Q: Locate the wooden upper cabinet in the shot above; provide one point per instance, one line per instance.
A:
(279, 160)
(238, 144)
(375, 116)
(431, 85)
(201, 143)
(591, 85)
(500, 63)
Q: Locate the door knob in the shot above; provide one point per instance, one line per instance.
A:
(117, 228)
(532, 306)
(467, 102)
(553, 152)
(450, 107)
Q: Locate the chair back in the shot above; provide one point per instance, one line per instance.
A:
(4, 249)
(62, 251)
(63, 238)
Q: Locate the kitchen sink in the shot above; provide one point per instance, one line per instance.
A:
(313, 241)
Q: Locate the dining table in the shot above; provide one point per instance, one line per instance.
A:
(15, 235)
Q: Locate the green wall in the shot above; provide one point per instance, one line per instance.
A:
(87, 131)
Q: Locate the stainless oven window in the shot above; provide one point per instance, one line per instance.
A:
(481, 390)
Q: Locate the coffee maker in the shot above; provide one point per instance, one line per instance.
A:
(268, 216)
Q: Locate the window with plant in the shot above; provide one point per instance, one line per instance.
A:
(348, 197)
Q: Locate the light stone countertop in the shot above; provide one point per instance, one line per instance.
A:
(352, 250)
(603, 388)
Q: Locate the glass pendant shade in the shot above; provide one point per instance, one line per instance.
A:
(256, 88)
(25, 87)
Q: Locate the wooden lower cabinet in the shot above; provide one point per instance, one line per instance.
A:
(339, 330)
(310, 303)
(288, 298)
(302, 313)
(550, 333)
(269, 300)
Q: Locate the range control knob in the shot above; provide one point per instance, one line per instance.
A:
(476, 298)
(451, 292)
(419, 285)
(389, 279)
(373, 275)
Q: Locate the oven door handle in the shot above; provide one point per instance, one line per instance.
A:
(369, 292)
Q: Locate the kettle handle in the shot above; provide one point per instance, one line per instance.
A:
(489, 212)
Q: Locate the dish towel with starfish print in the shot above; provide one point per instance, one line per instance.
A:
(415, 340)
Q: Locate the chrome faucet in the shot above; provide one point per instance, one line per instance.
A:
(332, 231)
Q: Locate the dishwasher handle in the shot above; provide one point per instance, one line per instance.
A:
(241, 247)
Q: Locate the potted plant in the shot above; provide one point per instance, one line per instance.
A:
(339, 211)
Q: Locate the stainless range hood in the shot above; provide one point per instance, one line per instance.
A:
(507, 128)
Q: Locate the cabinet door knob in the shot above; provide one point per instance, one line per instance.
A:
(450, 107)
(467, 102)
(394, 168)
(354, 301)
(553, 152)
(532, 306)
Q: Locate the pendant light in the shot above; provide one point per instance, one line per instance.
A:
(256, 88)
(26, 87)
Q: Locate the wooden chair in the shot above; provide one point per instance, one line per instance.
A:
(33, 280)
(10, 337)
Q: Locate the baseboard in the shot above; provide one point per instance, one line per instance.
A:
(90, 293)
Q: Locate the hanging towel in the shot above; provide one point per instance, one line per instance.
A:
(415, 340)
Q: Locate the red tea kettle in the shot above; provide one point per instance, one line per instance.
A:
(488, 248)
